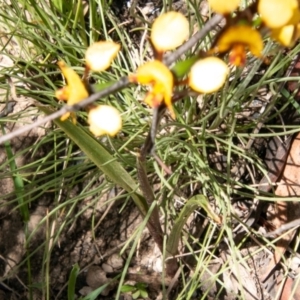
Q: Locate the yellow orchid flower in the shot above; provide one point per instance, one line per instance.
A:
(237, 39)
(279, 13)
(224, 7)
(74, 92)
(208, 75)
(169, 31)
(104, 119)
(100, 55)
(155, 73)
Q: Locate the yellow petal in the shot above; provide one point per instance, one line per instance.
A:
(65, 116)
(160, 77)
(296, 32)
(68, 115)
(104, 119)
(152, 72)
(278, 13)
(223, 6)
(208, 75)
(62, 94)
(154, 99)
(169, 31)
(286, 35)
(75, 87)
(100, 55)
(241, 35)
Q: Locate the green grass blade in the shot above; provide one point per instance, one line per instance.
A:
(94, 294)
(18, 181)
(72, 282)
(187, 210)
(58, 4)
(79, 20)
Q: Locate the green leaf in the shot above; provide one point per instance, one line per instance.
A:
(183, 67)
(144, 294)
(97, 87)
(136, 294)
(72, 282)
(141, 285)
(100, 156)
(186, 211)
(126, 288)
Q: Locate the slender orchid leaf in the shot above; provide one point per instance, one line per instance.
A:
(98, 154)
